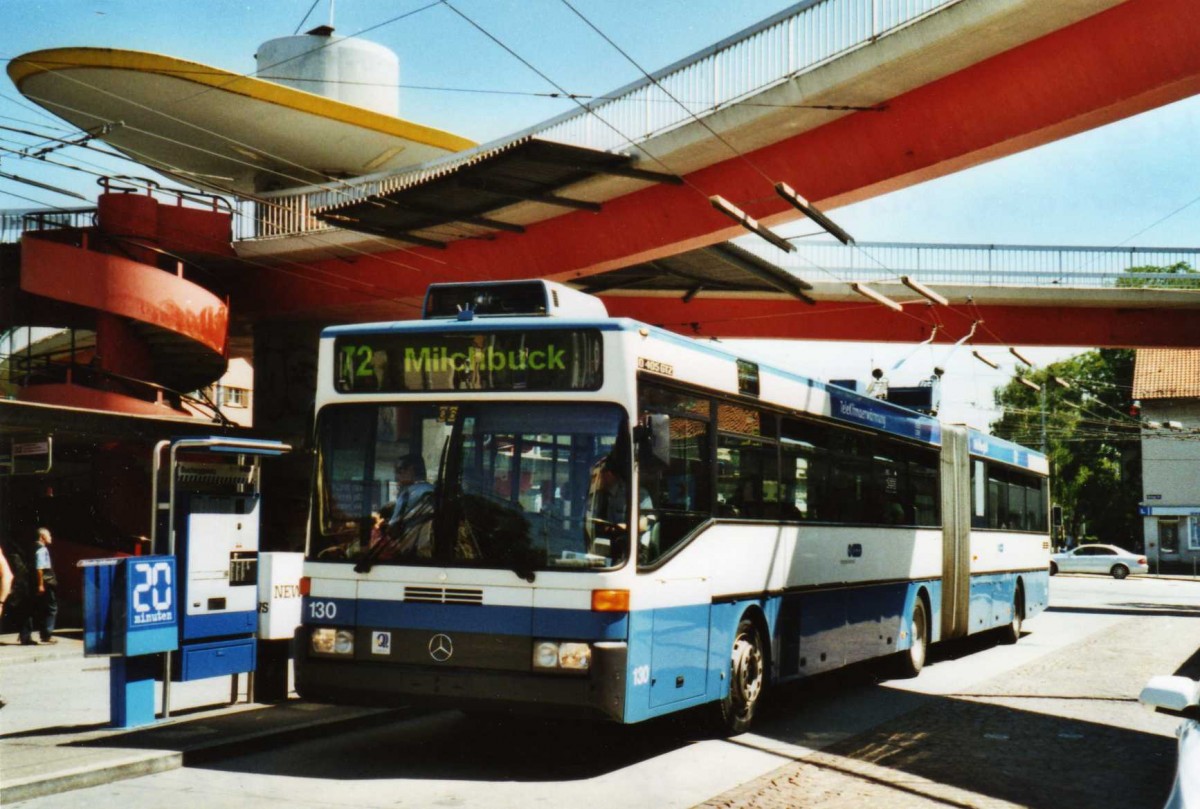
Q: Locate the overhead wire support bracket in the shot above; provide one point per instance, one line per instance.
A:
(878, 297)
(812, 212)
(990, 363)
(750, 223)
(1023, 359)
(924, 291)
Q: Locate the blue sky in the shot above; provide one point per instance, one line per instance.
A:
(1134, 182)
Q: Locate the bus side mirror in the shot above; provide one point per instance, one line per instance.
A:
(653, 439)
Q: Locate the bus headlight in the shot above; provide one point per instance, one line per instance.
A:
(545, 655)
(562, 655)
(327, 640)
(575, 656)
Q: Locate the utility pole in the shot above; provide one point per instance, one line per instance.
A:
(1042, 396)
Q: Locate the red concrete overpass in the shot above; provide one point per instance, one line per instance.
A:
(968, 82)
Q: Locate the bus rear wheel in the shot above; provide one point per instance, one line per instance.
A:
(1012, 633)
(747, 676)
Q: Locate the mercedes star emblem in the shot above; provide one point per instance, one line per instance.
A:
(441, 647)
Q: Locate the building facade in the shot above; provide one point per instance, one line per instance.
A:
(1167, 384)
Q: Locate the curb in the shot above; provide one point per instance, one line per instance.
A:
(136, 765)
(84, 777)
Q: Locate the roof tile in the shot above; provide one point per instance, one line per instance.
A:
(1166, 373)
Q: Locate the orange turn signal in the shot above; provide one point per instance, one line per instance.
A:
(305, 585)
(610, 601)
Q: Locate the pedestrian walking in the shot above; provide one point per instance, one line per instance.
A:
(47, 587)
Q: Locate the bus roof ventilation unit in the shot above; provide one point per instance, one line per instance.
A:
(535, 298)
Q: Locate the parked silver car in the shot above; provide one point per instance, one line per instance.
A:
(1107, 559)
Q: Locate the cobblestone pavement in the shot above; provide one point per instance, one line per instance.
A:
(1063, 732)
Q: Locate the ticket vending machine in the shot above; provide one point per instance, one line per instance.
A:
(216, 543)
(209, 522)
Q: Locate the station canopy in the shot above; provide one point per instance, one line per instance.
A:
(454, 198)
(466, 196)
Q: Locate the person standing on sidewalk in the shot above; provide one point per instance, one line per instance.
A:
(23, 600)
(47, 586)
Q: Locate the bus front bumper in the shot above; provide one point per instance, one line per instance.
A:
(600, 692)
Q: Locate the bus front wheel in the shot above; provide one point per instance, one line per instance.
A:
(747, 676)
(910, 662)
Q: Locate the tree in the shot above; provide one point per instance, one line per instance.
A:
(1094, 445)
(1179, 275)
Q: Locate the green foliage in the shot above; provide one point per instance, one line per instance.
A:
(1093, 444)
(1175, 276)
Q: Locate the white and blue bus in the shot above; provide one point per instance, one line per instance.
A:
(521, 502)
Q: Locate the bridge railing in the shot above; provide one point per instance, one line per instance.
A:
(985, 264)
(770, 52)
(767, 53)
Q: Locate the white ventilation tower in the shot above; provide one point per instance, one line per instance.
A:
(349, 70)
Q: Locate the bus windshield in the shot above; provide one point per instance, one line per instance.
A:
(517, 485)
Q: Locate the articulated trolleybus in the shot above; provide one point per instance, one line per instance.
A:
(520, 502)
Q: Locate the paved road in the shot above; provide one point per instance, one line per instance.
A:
(1044, 723)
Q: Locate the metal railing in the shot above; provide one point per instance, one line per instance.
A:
(797, 39)
(20, 370)
(14, 223)
(986, 264)
(77, 227)
(288, 215)
(769, 52)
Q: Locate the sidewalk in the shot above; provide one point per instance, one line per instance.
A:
(54, 733)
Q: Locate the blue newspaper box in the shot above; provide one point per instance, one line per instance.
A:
(130, 606)
(130, 614)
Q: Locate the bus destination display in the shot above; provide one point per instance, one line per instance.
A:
(503, 360)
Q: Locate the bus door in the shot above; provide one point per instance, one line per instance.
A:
(679, 638)
(674, 500)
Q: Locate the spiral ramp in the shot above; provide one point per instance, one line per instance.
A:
(111, 314)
